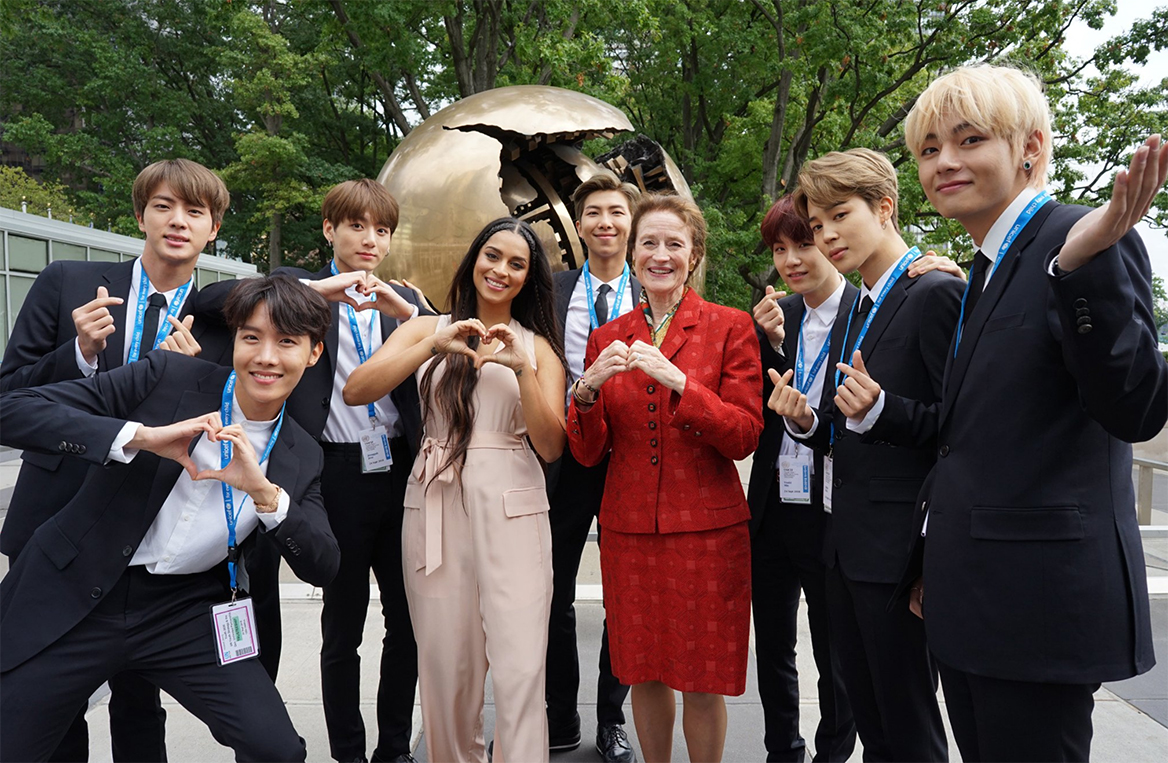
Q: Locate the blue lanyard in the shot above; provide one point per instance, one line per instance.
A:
(1027, 213)
(804, 383)
(897, 272)
(355, 330)
(224, 459)
(620, 294)
(140, 317)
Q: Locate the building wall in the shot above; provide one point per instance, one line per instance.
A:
(28, 243)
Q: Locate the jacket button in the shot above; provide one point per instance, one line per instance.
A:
(652, 407)
(1083, 320)
(653, 460)
(1080, 302)
(685, 427)
(653, 442)
(943, 450)
(63, 446)
(95, 593)
(1083, 311)
(127, 550)
(80, 449)
(1085, 328)
(697, 434)
(652, 424)
(325, 402)
(650, 389)
(837, 482)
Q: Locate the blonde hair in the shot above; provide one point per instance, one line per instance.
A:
(190, 181)
(838, 176)
(1001, 100)
(685, 210)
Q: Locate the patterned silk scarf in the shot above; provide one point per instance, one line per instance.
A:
(658, 334)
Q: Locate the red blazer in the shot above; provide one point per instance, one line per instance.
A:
(672, 467)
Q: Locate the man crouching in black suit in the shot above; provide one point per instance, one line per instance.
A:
(130, 574)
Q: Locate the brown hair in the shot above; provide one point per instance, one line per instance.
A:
(782, 220)
(600, 182)
(688, 212)
(353, 199)
(194, 184)
(294, 309)
(836, 177)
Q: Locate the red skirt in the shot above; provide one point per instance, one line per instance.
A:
(678, 607)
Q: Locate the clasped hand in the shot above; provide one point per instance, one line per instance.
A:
(173, 441)
(619, 357)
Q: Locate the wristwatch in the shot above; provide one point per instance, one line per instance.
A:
(268, 508)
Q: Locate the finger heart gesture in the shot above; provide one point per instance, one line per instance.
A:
(460, 338)
(511, 354)
(859, 392)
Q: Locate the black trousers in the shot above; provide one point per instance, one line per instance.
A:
(574, 502)
(996, 719)
(786, 557)
(365, 513)
(137, 725)
(890, 677)
(159, 627)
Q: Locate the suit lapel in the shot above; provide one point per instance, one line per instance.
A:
(686, 317)
(957, 367)
(847, 302)
(563, 294)
(888, 309)
(283, 464)
(636, 289)
(117, 282)
(792, 321)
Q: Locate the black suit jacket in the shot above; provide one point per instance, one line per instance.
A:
(762, 472)
(79, 553)
(1033, 561)
(564, 283)
(310, 401)
(41, 351)
(875, 483)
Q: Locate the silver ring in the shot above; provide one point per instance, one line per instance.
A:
(636, 357)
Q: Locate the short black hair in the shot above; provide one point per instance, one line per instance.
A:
(294, 309)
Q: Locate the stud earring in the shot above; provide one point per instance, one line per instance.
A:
(330, 242)
(1026, 165)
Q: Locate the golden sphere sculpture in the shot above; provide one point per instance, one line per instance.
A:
(508, 151)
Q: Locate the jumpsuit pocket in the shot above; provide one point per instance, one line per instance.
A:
(523, 501)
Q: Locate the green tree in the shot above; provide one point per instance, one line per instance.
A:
(19, 191)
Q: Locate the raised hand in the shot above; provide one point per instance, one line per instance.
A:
(1131, 197)
(458, 337)
(789, 402)
(333, 288)
(243, 471)
(645, 357)
(94, 323)
(384, 298)
(173, 441)
(859, 392)
(422, 300)
(930, 260)
(511, 354)
(769, 316)
(180, 339)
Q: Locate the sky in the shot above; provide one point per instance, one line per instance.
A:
(1081, 41)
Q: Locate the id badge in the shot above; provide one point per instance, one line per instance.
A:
(827, 483)
(375, 455)
(795, 478)
(235, 631)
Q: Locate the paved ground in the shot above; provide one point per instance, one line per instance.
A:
(1131, 717)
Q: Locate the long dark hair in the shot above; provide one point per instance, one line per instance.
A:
(533, 307)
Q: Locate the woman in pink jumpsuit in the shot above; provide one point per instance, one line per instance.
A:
(476, 539)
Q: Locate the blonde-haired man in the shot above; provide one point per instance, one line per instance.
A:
(1037, 591)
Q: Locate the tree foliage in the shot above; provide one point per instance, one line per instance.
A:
(286, 97)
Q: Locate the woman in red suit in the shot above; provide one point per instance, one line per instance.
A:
(674, 390)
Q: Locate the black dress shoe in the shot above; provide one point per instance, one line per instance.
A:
(405, 757)
(564, 736)
(613, 744)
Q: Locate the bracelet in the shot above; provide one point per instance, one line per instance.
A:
(579, 398)
(268, 508)
(594, 390)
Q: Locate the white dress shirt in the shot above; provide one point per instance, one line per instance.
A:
(993, 241)
(577, 325)
(189, 533)
(817, 325)
(88, 369)
(345, 422)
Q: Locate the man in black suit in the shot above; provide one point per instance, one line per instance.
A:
(124, 576)
(86, 318)
(1035, 572)
(901, 326)
(787, 520)
(586, 298)
(363, 499)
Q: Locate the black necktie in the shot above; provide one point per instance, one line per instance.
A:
(602, 304)
(865, 306)
(977, 279)
(154, 309)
